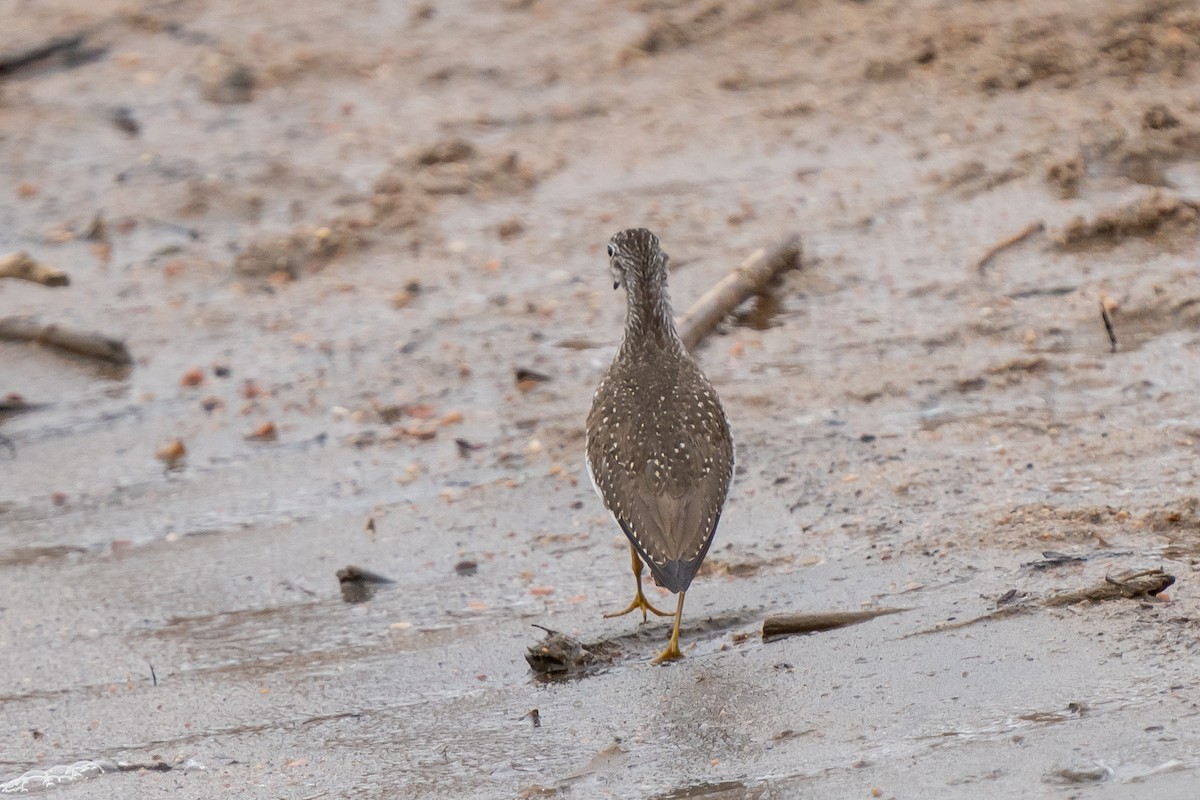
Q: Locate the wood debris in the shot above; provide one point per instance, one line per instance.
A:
(84, 343)
(750, 278)
(1128, 585)
(22, 266)
(1008, 241)
(777, 626)
(559, 655)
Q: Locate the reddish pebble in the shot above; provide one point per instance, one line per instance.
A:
(264, 433)
(193, 377)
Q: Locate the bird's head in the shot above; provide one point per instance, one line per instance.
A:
(636, 260)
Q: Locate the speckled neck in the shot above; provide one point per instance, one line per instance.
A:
(649, 321)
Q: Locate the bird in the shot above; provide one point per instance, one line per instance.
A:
(658, 444)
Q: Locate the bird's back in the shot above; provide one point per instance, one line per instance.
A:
(660, 453)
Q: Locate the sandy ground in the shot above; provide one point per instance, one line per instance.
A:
(356, 222)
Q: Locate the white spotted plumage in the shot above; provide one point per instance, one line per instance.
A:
(659, 448)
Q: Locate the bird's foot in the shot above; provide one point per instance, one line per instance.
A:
(639, 602)
(672, 653)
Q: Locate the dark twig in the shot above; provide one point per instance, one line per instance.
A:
(1108, 325)
(68, 46)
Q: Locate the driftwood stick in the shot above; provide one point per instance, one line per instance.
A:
(749, 278)
(1128, 585)
(1007, 242)
(22, 267)
(780, 625)
(91, 345)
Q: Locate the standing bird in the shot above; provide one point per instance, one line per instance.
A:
(659, 450)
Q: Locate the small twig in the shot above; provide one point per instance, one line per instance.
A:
(12, 62)
(780, 625)
(1007, 242)
(153, 677)
(1108, 325)
(22, 267)
(1003, 612)
(749, 278)
(92, 345)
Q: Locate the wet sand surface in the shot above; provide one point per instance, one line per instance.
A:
(357, 223)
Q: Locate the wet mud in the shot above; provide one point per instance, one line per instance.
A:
(356, 255)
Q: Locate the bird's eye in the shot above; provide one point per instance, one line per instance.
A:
(612, 251)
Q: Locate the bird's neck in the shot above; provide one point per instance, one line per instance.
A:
(649, 321)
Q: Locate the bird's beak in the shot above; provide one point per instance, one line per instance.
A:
(616, 285)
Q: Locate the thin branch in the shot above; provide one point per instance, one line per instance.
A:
(1007, 242)
(749, 278)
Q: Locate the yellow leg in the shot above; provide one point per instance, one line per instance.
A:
(672, 652)
(639, 600)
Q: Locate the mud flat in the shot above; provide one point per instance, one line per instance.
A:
(355, 255)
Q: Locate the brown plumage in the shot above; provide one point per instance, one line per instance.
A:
(659, 449)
